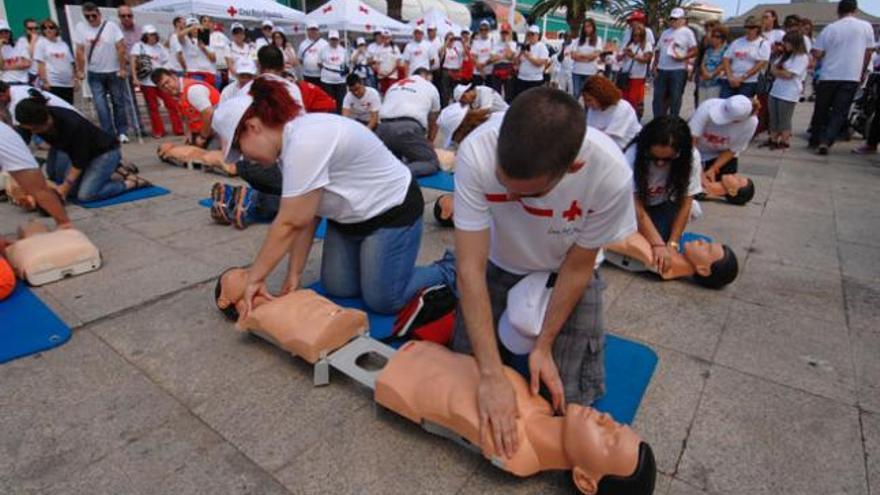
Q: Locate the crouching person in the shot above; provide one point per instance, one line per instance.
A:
(196, 103)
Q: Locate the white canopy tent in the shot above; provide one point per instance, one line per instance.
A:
(435, 17)
(412, 10)
(234, 10)
(355, 16)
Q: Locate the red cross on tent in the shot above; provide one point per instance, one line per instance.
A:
(368, 27)
(573, 212)
(327, 9)
(363, 10)
(420, 22)
(232, 11)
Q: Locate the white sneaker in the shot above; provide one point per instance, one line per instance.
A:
(123, 139)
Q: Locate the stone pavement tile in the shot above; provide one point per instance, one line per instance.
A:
(871, 429)
(753, 436)
(677, 314)
(616, 282)
(862, 309)
(274, 414)
(678, 487)
(217, 245)
(60, 309)
(860, 261)
(669, 406)
(490, 480)
(853, 215)
(135, 270)
(68, 408)
(185, 345)
(787, 348)
(724, 224)
(805, 242)
(865, 349)
(376, 451)
(785, 202)
(814, 293)
(435, 242)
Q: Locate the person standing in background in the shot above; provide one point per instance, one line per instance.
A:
(29, 42)
(310, 54)
(333, 69)
(55, 64)
(279, 39)
(744, 60)
(131, 34)
(711, 68)
(585, 55)
(199, 60)
(532, 59)
(150, 49)
(637, 55)
(504, 56)
(14, 59)
(386, 62)
(418, 52)
(677, 45)
(240, 49)
(220, 43)
(265, 37)
(788, 71)
(175, 57)
(481, 49)
(705, 42)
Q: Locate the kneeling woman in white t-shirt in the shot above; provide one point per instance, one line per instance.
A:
(335, 168)
(609, 113)
(666, 172)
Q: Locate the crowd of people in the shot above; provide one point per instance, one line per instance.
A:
(552, 158)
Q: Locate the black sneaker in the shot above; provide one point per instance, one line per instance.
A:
(822, 150)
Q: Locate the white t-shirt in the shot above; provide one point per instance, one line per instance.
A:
(712, 138)
(790, 89)
(261, 41)
(618, 121)
(454, 56)
(529, 71)
(587, 68)
(678, 41)
(20, 92)
(104, 57)
(418, 54)
(501, 47)
(388, 57)
(592, 207)
(309, 53)
(362, 108)
(14, 152)
(489, 98)
(658, 190)
(243, 52)
(774, 36)
(360, 178)
(639, 70)
(232, 90)
(333, 60)
(173, 50)
(627, 36)
(220, 43)
(436, 45)
(482, 50)
(744, 54)
(11, 55)
(196, 60)
(158, 56)
(844, 43)
(58, 59)
(413, 97)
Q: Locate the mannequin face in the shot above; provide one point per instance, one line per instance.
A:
(598, 446)
(733, 183)
(233, 282)
(702, 254)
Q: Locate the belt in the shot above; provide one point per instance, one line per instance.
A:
(404, 119)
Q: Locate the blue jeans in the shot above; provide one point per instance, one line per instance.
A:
(380, 267)
(95, 182)
(668, 91)
(663, 216)
(747, 89)
(101, 84)
(577, 84)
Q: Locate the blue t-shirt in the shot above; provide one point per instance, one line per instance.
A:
(712, 59)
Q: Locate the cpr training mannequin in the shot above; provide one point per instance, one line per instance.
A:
(733, 188)
(183, 155)
(425, 382)
(41, 257)
(300, 322)
(711, 265)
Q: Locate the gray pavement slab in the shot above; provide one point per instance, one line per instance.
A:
(871, 430)
(865, 349)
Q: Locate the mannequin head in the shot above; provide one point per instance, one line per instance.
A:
(443, 211)
(715, 264)
(7, 278)
(739, 190)
(607, 457)
(229, 290)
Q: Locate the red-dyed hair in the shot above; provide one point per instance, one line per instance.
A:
(272, 104)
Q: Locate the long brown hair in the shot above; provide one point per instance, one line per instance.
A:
(593, 35)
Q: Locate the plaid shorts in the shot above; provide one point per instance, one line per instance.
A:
(579, 347)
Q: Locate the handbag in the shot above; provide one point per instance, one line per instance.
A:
(765, 78)
(622, 79)
(143, 65)
(503, 71)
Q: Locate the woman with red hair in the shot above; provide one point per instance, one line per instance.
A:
(608, 112)
(335, 168)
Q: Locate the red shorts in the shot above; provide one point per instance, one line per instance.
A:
(635, 92)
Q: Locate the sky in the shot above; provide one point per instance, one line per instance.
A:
(870, 6)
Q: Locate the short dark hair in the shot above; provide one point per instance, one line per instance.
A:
(641, 482)
(791, 20)
(421, 71)
(352, 80)
(541, 134)
(744, 195)
(724, 271)
(230, 312)
(270, 58)
(176, 20)
(847, 7)
(158, 74)
(33, 110)
(89, 7)
(28, 20)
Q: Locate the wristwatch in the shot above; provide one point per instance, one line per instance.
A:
(673, 245)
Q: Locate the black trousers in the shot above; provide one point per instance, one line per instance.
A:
(65, 94)
(873, 136)
(519, 86)
(833, 99)
(337, 91)
(730, 167)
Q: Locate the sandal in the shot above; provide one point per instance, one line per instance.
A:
(133, 182)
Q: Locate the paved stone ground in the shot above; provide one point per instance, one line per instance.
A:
(771, 386)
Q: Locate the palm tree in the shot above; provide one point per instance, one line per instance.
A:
(395, 8)
(575, 11)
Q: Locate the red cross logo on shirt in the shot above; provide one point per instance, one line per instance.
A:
(363, 9)
(573, 212)
(327, 9)
(232, 11)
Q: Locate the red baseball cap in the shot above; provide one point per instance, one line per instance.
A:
(637, 15)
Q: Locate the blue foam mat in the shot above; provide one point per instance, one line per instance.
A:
(443, 181)
(629, 365)
(28, 326)
(692, 236)
(126, 197)
(319, 232)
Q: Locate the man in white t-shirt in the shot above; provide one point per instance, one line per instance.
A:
(239, 50)
(104, 58)
(722, 129)
(14, 57)
(362, 102)
(408, 122)
(199, 60)
(12, 95)
(532, 59)
(418, 53)
(479, 98)
(309, 53)
(175, 57)
(17, 160)
(676, 47)
(333, 60)
(386, 61)
(265, 37)
(845, 48)
(536, 191)
(481, 49)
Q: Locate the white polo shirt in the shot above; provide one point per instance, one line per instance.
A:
(14, 153)
(413, 97)
(362, 108)
(360, 178)
(678, 41)
(310, 55)
(243, 52)
(712, 139)
(195, 58)
(592, 207)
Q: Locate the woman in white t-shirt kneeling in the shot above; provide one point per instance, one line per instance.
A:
(789, 72)
(335, 168)
(666, 172)
(608, 112)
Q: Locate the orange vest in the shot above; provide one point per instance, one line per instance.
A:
(189, 112)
